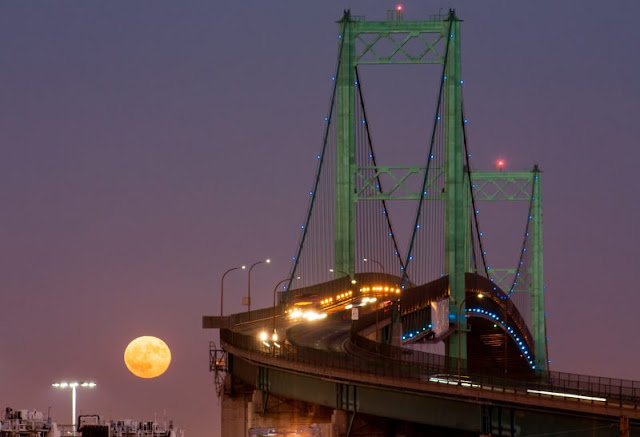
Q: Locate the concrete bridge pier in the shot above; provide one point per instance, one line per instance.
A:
(339, 423)
(284, 415)
(234, 419)
(250, 412)
(254, 413)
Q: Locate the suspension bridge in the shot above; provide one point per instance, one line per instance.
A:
(416, 333)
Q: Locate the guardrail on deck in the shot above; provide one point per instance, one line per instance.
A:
(396, 362)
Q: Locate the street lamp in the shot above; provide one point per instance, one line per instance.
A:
(249, 283)
(222, 287)
(375, 262)
(73, 386)
(458, 319)
(264, 335)
(353, 281)
(275, 290)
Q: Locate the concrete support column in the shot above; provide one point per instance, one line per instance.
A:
(254, 408)
(338, 423)
(624, 427)
(234, 415)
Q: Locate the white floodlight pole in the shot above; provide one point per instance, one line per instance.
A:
(73, 386)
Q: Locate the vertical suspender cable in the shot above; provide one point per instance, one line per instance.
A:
(322, 156)
(379, 182)
(426, 173)
(526, 236)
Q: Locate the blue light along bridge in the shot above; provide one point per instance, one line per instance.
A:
(351, 345)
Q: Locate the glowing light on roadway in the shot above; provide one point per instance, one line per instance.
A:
(451, 381)
(295, 314)
(567, 395)
(312, 315)
(308, 315)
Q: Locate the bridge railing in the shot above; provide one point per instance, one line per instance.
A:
(595, 386)
(324, 358)
(543, 381)
(391, 361)
(264, 313)
(432, 363)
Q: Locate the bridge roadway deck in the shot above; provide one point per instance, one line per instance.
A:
(323, 371)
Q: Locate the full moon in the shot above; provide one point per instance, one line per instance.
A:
(147, 357)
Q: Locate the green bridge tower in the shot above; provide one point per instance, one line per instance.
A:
(358, 47)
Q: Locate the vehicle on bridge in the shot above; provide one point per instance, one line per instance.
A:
(311, 305)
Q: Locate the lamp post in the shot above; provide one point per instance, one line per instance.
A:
(375, 262)
(275, 290)
(274, 334)
(73, 386)
(222, 286)
(249, 283)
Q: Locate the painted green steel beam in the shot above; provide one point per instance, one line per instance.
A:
(344, 234)
(502, 186)
(501, 175)
(397, 182)
(430, 26)
(399, 35)
(384, 61)
(538, 316)
(456, 215)
(472, 264)
(488, 186)
(398, 53)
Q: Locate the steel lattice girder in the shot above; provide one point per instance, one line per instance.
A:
(487, 186)
(394, 37)
(502, 186)
(400, 177)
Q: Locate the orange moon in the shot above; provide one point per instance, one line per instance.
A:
(147, 357)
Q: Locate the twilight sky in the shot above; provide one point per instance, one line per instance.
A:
(149, 146)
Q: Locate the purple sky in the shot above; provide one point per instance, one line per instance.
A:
(149, 146)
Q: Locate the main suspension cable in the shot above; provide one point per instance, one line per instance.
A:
(526, 235)
(320, 164)
(473, 199)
